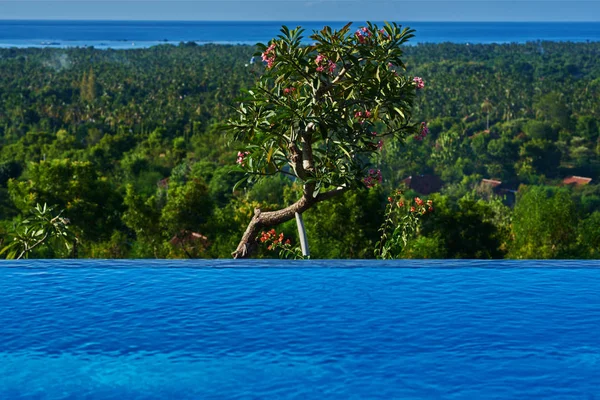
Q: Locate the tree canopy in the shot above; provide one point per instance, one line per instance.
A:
(320, 112)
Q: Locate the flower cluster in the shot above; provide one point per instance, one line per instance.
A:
(402, 224)
(362, 34)
(274, 239)
(269, 55)
(420, 206)
(241, 156)
(323, 63)
(289, 90)
(373, 178)
(375, 146)
(362, 115)
(419, 82)
(424, 131)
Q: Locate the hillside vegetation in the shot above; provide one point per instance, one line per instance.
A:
(131, 145)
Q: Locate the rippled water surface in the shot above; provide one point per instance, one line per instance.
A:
(319, 330)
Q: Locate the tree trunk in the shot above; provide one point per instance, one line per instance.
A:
(302, 235)
(262, 220)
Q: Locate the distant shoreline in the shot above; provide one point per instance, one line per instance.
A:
(121, 34)
(126, 45)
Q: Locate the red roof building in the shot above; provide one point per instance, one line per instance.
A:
(576, 180)
(491, 182)
(424, 184)
(188, 237)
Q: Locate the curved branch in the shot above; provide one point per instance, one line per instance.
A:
(262, 220)
(332, 193)
(28, 249)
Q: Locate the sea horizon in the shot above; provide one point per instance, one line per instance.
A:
(120, 34)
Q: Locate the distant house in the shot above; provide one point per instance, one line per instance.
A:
(576, 180)
(487, 187)
(491, 183)
(186, 237)
(192, 243)
(424, 184)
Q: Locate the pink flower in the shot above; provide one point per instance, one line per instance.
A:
(419, 82)
(359, 35)
(424, 129)
(322, 63)
(373, 133)
(423, 133)
(380, 145)
(241, 156)
(373, 178)
(269, 55)
(331, 66)
(362, 116)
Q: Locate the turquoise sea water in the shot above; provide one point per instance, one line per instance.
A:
(299, 330)
(135, 34)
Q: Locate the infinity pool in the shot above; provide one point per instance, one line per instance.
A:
(299, 330)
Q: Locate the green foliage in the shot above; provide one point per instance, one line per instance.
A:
(97, 132)
(588, 236)
(187, 207)
(345, 226)
(278, 243)
(402, 224)
(469, 228)
(87, 199)
(544, 224)
(540, 130)
(316, 107)
(41, 228)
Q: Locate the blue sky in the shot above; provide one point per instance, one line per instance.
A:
(305, 10)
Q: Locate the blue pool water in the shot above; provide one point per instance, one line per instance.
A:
(318, 330)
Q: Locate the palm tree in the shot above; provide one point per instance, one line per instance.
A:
(487, 107)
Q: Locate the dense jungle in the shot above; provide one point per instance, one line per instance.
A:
(130, 147)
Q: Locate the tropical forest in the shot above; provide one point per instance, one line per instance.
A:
(172, 151)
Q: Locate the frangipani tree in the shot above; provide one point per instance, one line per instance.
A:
(320, 112)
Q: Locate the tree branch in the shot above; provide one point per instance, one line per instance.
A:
(28, 249)
(296, 161)
(262, 220)
(332, 193)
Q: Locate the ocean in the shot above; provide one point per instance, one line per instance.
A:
(136, 34)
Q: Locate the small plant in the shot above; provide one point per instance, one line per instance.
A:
(39, 229)
(278, 242)
(402, 222)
